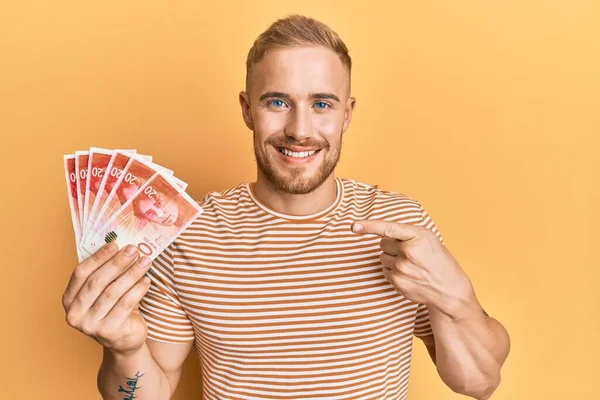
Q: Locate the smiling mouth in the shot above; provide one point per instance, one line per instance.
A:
(297, 154)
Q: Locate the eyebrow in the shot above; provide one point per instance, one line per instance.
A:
(311, 95)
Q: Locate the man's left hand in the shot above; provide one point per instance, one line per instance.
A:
(420, 267)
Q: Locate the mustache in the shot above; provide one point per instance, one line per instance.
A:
(290, 141)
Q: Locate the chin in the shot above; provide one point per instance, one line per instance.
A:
(301, 184)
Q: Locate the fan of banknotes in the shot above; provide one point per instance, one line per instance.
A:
(122, 196)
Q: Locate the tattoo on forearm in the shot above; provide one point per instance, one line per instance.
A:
(131, 386)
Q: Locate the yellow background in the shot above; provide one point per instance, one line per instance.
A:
(486, 112)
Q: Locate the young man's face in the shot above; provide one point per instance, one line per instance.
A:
(298, 108)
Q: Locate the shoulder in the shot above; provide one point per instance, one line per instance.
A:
(220, 209)
(379, 203)
(224, 199)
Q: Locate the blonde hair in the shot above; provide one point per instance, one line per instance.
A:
(295, 31)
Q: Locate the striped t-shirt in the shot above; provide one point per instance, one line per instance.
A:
(289, 307)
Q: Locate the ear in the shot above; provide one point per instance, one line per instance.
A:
(349, 109)
(246, 114)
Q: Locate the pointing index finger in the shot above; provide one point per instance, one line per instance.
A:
(383, 228)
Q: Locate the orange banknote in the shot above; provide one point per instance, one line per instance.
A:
(71, 177)
(81, 164)
(150, 219)
(134, 175)
(119, 161)
(101, 182)
(97, 164)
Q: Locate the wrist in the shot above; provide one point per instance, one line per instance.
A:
(125, 353)
(461, 305)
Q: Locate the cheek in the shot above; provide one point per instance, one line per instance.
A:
(143, 209)
(153, 215)
(330, 127)
(328, 124)
(267, 124)
(173, 210)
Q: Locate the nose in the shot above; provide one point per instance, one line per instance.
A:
(299, 124)
(160, 213)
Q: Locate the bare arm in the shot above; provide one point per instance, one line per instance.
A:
(102, 301)
(468, 349)
(151, 372)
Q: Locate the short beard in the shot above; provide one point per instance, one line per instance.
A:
(295, 183)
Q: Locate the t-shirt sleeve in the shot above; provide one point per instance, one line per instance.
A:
(422, 324)
(428, 223)
(161, 309)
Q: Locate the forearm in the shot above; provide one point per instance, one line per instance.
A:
(132, 376)
(470, 350)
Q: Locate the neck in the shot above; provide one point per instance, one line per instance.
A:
(295, 204)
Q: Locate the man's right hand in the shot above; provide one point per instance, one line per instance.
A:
(103, 295)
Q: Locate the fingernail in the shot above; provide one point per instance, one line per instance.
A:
(130, 250)
(357, 228)
(144, 262)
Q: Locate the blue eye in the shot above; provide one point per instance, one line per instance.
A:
(325, 105)
(272, 102)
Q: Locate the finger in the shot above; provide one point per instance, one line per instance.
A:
(387, 261)
(382, 228)
(102, 277)
(397, 264)
(389, 276)
(395, 280)
(127, 303)
(391, 246)
(85, 269)
(111, 295)
(387, 273)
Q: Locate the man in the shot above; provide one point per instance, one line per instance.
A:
(301, 284)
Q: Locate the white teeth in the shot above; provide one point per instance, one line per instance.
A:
(295, 154)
